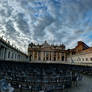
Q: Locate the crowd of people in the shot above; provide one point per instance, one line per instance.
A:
(36, 77)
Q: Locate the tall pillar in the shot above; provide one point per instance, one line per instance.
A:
(37, 55)
(65, 57)
(49, 56)
(45, 55)
(60, 56)
(33, 56)
(3, 53)
(0, 53)
(52, 56)
(56, 56)
(6, 56)
(42, 55)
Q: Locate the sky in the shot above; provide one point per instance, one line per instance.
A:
(56, 21)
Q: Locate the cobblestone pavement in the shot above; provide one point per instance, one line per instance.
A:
(83, 86)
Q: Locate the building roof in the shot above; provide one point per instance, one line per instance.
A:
(46, 46)
(87, 50)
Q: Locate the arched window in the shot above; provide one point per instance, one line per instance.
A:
(82, 59)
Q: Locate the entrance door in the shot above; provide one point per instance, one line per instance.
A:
(62, 58)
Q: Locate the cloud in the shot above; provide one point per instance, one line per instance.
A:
(57, 21)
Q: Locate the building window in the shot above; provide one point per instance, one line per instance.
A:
(44, 56)
(82, 59)
(18, 56)
(79, 59)
(47, 56)
(73, 53)
(30, 57)
(12, 55)
(9, 54)
(15, 56)
(86, 59)
(90, 59)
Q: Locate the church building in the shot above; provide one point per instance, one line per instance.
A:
(46, 52)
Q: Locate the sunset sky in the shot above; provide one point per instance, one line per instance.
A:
(57, 21)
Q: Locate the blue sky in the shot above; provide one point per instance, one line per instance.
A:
(57, 21)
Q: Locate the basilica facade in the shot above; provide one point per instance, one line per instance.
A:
(46, 52)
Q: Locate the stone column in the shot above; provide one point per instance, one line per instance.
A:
(6, 54)
(3, 53)
(65, 57)
(37, 56)
(45, 55)
(60, 56)
(52, 56)
(56, 56)
(42, 55)
(48, 55)
(33, 56)
(0, 53)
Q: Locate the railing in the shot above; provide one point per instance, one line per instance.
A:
(65, 62)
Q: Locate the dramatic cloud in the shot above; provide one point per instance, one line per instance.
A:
(57, 21)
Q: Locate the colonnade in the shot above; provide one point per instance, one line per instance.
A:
(10, 53)
(47, 56)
